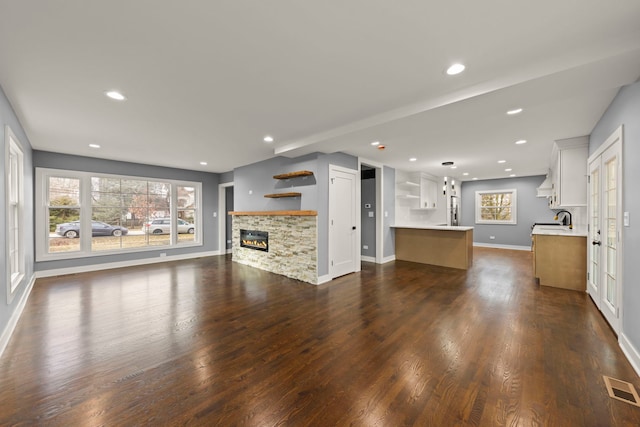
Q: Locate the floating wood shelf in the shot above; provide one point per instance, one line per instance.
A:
(280, 195)
(292, 174)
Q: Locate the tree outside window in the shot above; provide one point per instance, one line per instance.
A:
(496, 207)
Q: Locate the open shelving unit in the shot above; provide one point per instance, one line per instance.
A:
(281, 195)
(288, 175)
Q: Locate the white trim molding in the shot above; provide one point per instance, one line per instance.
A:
(121, 264)
(6, 334)
(630, 352)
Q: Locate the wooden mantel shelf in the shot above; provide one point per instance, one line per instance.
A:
(275, 213)
(292, 174)
(280, 195)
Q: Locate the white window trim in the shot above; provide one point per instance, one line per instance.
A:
(42, 224)
(514, 204)
(14, 276)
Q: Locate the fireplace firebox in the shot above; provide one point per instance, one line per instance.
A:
(253, 239)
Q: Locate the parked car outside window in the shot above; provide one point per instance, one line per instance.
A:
(71, 230)
(163, 226)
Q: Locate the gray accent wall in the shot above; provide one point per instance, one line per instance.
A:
(625, 110)
(10, 304)
(209, 182)
(389, 210)
(226, 177)
(530, 209)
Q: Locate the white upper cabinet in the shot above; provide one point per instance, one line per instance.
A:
(569, 173)
(428, 193)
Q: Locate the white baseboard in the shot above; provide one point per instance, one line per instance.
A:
(367, 258)
(5, 336)
(120, 264)
(630, 351)
(497, 246)
(323, 279)
(388, 259)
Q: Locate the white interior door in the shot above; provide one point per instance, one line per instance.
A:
(343, 244)
(605, 221)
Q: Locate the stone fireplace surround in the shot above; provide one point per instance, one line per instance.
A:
(293, 242)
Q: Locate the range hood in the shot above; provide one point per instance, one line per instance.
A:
(544, 190)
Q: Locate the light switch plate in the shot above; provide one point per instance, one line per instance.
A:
(625, 219)
(370, 214)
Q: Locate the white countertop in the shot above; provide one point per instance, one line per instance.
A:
(555, 230)
(433, 227)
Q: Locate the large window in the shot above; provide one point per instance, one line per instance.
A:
(94, 214)
(496, 207)
(14, 178)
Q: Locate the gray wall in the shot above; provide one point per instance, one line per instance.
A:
(368, 224)
(625, 110)
(389, 208)
(88, 164)
(8, 305)
(252, 182)
(530, 209)
(226, 177)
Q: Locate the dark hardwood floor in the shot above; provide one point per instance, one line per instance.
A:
(211, 342)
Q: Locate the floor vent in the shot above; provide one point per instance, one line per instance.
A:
(622, 390)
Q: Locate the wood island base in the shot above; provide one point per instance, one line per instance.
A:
(443, 247)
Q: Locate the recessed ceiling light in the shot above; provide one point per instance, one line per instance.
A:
(374, 143)
(474, 178)
(513, 174)
(514, 111)
(502, 161)
(413, 159)
(521, 141)
(94, 145)
(115, 95)
(268, 138)
(508, 170)
(454, 167)
(455, 69)
(466, 173)
(203, 163)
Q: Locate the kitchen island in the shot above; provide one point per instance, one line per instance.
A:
(447, 246)
(560, 256)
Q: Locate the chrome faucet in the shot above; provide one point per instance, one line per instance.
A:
(567, 214)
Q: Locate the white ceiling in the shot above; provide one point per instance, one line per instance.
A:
(207, 80)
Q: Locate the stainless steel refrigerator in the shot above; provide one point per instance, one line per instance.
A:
(454, 211)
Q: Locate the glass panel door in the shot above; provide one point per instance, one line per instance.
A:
(611, 221)
(605, 213)
(594, 239)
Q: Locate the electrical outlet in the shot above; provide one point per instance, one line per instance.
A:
(163, 254)
(365, 247)
(492, 237)
(370, 214)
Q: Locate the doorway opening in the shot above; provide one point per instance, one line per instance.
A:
(371, 212)
(225, 205)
